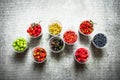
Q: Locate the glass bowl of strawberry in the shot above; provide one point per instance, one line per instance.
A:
(81, 55)
(70, 37)
(86, 27)
(39, 54)
(35, 30)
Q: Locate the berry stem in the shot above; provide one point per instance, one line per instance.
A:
(92, 22)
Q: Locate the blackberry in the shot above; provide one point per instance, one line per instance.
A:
(56, 44)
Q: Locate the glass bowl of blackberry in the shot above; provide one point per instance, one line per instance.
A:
(56, 44)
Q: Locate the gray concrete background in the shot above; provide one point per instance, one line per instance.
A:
(16, 16)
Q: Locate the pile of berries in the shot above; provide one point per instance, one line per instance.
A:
(39, 54)
(34, 30)
(19, 44)
(99, 40)
(70, 37)
(81, 55)
(86, 27)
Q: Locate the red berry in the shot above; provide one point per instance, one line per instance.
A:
(33, 31)
(39, 30)
(35, 28)
(39, 60)
(38, 26)
(28, 30)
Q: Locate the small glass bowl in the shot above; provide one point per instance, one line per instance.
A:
(81, 53)
(39, 55)
(99, 38)
(82, 32)
(32, 25)
(23, 50)
(74, 41)
(53, 22)
(63, 46)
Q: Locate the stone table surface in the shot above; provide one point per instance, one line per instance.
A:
(17, 15)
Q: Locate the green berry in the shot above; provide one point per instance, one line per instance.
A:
(22, 49)
(16, 47)
(24, 45)
(19, 49)
(17, 40)
(21, 45)
(13, 44)
(18, 43)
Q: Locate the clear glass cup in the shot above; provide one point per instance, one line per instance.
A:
(23, 50)
(73, 42)
(56, 37)
(97, 46)
(53, 22)
(34, 58)
(79, 61)
(39, 33)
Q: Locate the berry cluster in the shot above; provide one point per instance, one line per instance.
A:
(99, 40)
(70, 37)
(34, 30)
(81, 55)
(86, 27)
(39, 54)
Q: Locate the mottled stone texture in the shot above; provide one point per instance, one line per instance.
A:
(17, 15)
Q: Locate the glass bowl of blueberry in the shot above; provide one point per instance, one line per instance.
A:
(99, 40)
(56, 44)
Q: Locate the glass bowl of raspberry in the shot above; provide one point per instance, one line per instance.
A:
(81, 55)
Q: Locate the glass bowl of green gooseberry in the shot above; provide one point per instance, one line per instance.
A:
(20, 45)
